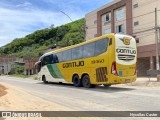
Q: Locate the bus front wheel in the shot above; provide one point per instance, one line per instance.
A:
(76, 81)
(86, 82)
(44, 79)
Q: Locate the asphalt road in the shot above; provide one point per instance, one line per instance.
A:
(117, 97)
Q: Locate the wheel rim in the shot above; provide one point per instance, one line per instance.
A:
(76, 81)
(86, 83)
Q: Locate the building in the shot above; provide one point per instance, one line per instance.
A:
(6, 64)
(133, 17)
(10, 65)
(29, 68)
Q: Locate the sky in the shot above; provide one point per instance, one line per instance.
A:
(19, 18)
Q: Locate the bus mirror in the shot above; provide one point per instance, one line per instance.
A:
(37, 64)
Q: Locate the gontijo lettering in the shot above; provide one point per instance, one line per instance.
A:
(126, 51)
(73, 64)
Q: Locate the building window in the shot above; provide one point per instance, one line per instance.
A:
(120, 28)
(106, 31)
(136, 23)
(135, 5)
(120, 14)
(107, 18)
(137, 40)
(95, 22)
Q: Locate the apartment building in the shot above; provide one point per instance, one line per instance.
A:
(132, 17)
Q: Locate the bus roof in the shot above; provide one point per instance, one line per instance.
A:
(85, 42)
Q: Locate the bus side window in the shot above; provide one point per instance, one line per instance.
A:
(55, 59)
(77, 53)
(59, 56)
(67, 55)
(101, 46)
(88, 50)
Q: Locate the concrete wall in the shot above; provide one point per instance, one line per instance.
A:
(5, 68)
(122, 21)
(91, 17)
(145, 15)
(91, 25)
(105, 25)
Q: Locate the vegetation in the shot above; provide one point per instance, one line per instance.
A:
(34, 44)
(19, 69)
(20, 75)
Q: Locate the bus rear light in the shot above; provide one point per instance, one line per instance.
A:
(113, 69)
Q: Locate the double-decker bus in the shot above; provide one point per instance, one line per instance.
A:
(108, 59)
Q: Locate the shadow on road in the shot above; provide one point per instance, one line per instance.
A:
(98, 88)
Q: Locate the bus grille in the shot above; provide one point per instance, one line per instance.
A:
(126, 57)
(101, 74)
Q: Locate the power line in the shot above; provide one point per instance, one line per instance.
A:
(145, 34)
(66, 15)
(145, 30)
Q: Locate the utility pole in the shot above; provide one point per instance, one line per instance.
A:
(156, 40)
(159, 34)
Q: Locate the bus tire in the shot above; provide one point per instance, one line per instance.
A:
(86, 82)
(44, 79)
(76, 81)
(106, 85)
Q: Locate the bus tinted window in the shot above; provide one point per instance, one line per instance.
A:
(60, 56)
(47, 60)
(88, 50)
(77, 52)
(55, 59)
(67, 55)
(101, 46)
(84, 51)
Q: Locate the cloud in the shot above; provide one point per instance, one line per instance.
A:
(21, 21)
(21, 17)
(25, 5)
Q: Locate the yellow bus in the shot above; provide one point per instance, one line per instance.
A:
(109, 59)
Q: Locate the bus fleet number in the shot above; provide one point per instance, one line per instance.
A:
(97, 61)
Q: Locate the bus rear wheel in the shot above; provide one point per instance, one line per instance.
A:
(76, 81)
(86, 82)
(106, 85)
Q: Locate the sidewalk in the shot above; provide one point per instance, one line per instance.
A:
(145, 81)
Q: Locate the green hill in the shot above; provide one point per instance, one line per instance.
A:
(34, 44)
